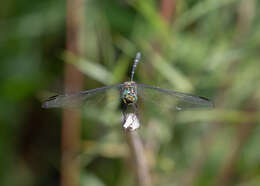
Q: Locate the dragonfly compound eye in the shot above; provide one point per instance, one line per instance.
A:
(129, 97)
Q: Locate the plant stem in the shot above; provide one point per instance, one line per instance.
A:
(73, 82)
(138, 155)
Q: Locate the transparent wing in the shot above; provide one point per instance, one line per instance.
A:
(171, 99)
(84, 97)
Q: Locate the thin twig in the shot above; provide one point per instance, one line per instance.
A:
(138, 155)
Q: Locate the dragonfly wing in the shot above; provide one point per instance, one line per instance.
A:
(181, 100)
(82, 97)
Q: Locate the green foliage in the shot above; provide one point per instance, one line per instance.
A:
(210, 48)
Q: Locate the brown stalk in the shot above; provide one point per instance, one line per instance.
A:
(133, 139)
(168, 9)
(138, 156)
(73, 82)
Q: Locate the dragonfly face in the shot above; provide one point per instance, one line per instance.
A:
(129, 93)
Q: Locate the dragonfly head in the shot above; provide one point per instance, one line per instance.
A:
(129, 95)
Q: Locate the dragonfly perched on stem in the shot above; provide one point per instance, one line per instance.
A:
(129, 91)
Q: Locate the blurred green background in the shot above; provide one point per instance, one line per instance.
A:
(208, 48)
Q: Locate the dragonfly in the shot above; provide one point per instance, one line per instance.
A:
(129, 94)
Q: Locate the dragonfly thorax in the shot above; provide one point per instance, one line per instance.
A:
(129, 92)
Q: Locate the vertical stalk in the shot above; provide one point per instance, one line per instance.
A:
(138, 156)
(134, 142)
(168, 9)
(73, 82)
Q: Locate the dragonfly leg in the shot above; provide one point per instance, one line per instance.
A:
(124, 111)
(135, 108)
